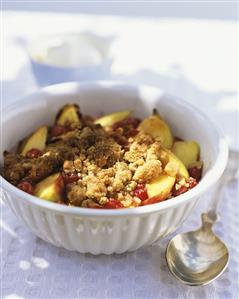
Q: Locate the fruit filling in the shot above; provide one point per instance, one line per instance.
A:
(112, 162)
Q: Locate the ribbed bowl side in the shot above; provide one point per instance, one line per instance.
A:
(99, 235)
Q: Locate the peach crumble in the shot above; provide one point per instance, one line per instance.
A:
(115, 161)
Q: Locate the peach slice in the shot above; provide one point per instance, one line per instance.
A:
(109, 120)
(158, 129)
(69, 114)
(161, 187)
(51, 188)
(186, 151)
(37, 141)
(168, 158)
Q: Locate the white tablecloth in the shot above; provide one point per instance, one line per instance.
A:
(195, 60)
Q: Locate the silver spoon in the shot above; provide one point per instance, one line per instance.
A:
(198, 257)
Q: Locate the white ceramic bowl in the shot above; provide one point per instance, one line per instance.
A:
(109, 231)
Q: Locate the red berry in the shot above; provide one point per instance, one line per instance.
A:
(151, 200)
(180, 190)
(68, 128)
(26, 187)
(113, 204)
(140, 186)
(117, 125)
(33, 153)
(132, 121)
(57, 130)
(70, 177)
(192, 183)
(141, 192)
(195, 173)
(131, 133)
(128, 122)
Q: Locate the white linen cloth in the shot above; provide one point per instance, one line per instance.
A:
(192, 59)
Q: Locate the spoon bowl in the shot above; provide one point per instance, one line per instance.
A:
(197, 257)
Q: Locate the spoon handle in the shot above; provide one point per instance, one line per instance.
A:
(217, 195)
(211, 215)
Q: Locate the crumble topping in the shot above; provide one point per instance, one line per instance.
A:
(139, 164)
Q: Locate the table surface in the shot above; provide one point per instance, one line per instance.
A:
(192, 59)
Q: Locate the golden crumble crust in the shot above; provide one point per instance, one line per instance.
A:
(140, 164)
